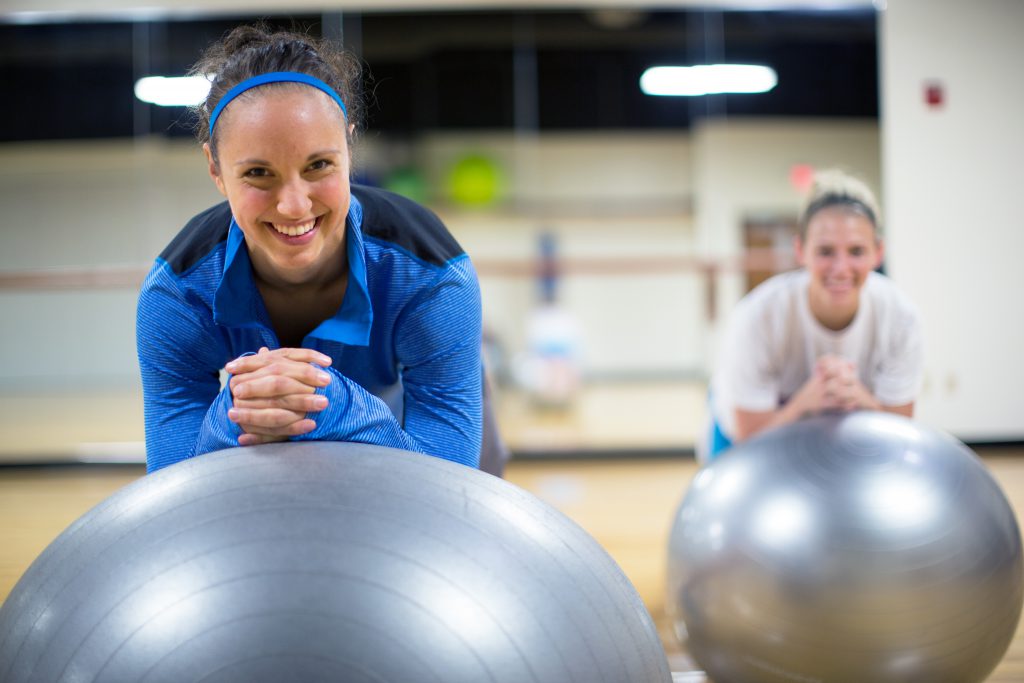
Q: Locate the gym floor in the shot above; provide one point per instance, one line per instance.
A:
(626, 503)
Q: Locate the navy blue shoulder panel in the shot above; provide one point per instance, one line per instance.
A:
(199, 237)
(393, 218)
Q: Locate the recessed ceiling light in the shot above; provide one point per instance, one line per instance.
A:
(166, 91)
(707, 79)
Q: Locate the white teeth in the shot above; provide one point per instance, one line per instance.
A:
(294, 230)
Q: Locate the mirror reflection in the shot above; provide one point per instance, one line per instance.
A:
(612, 230)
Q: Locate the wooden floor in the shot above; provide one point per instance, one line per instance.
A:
(627, 505)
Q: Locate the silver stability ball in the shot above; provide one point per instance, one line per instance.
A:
(325, 562)
(859, 548)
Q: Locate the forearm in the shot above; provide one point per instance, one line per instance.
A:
(217, 431)
(905, 409)
(751, 423)
(180, 426)
(354, 414)
(811, 399)
(179, 363)
(867, 401)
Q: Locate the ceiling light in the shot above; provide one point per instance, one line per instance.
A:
(708, 79)
(181, 91)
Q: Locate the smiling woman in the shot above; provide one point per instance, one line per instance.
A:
(833, 336)
(340, 312)
(289, 194)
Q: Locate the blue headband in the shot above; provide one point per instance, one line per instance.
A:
(274, 77)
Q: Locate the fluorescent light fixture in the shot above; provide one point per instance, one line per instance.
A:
(708, 79)
(71, 16)
(181, 91)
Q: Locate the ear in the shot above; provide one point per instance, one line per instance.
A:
(213, 169)
(879, 253)
(798, 250)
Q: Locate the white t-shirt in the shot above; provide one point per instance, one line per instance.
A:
(773, 342)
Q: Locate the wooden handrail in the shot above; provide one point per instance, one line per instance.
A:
(131, 277)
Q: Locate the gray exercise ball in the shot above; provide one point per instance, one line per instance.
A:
(859, 548)
(325, 562)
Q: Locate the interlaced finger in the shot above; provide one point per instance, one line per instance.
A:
(266, 357)
(299, 403)
(304, 380)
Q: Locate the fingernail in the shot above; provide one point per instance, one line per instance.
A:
(323, 377)
(320, 402)
(233, 414)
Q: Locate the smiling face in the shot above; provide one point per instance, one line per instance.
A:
(283, 164)
(839, 250)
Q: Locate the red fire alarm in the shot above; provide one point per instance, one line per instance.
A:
(801, 177)
(934, 94)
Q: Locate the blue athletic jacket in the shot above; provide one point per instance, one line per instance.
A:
(405, 343)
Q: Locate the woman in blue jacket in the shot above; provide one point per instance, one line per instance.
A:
(338, 312)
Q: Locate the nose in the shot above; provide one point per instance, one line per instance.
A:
(841, 262)
(293, 200)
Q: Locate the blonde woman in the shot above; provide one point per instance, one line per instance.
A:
(834, 335)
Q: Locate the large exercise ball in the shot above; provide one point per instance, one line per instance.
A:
(325, 562)
(860, 548)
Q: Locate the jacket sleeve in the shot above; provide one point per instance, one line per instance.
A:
(438, 343)
(180, 358)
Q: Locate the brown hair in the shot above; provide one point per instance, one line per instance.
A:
(249, 51)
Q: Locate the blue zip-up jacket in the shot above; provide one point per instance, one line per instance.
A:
(405, 343)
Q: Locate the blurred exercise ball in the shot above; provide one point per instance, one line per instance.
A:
(409, 182)
(475, 180)
(860, 548)
(321, 561)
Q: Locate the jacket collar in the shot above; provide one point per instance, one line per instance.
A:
(237, 301)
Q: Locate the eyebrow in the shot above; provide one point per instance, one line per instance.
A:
(264, 162)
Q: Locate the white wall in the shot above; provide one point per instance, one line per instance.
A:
(82, 205)
(742, 168)
(953, 178)
(118, 203)
(96, 203)
(611, 197)
(608, 197)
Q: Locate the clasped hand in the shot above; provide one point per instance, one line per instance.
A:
(835, 386)
(273, 391)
